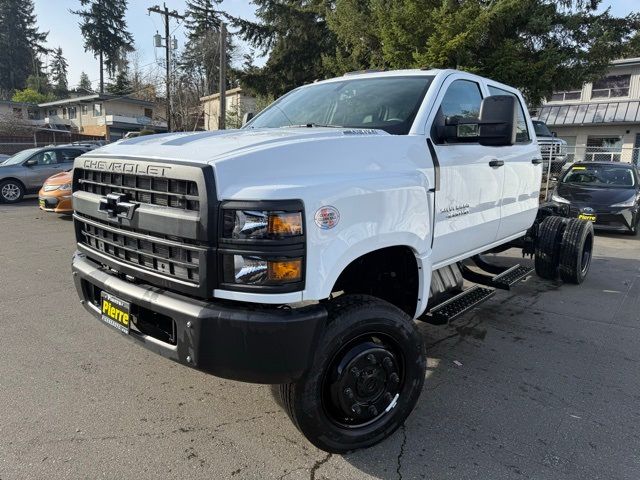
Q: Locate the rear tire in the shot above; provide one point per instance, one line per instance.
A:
(11, 191)
(576, 251)
(547, 251)
(365, 379)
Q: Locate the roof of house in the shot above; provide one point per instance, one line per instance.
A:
(626, 61)
(21, 104)
(103, 97)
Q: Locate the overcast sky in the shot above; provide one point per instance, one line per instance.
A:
(54, 17)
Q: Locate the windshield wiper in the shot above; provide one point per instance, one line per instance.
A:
(313, 125)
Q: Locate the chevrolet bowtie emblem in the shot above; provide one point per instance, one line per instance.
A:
(117, 205)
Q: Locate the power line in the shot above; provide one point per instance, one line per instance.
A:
(167, 45)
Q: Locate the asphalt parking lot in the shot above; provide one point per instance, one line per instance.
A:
(542, 382)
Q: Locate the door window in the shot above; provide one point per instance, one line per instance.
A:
(47, 157)
(461, 103)
(522, 132)
(68, 156)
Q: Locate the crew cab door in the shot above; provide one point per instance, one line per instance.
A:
(471, 177)
(522, 175)
(46, 164)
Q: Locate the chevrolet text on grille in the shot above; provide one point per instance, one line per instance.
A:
(125, 167)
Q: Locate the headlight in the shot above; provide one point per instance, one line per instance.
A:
(66, 187)
(259, 270)
(558, 199)
(262, 246)
(627, 203)
(261, 224)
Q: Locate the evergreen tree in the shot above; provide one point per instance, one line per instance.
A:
(296, 35)
(201, 57)
(122, 84)
(84, 83)
(104, 29)
(21, 42)
(58, 69)
(536, 45)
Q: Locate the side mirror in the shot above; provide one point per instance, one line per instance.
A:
(495, 127)
(31, 162)
(247, 116)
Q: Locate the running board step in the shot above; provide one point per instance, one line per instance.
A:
(510, 277)
(458, 305)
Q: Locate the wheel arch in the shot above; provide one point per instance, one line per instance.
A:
(391, 273)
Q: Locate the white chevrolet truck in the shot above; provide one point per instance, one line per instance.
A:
(300, 249)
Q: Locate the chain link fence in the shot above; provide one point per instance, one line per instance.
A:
(557, 158)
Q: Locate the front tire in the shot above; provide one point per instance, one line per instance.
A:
(11, 191)
(365, 379)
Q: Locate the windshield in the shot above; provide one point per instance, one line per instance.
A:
(541, 129)
(20, 156)
(600, 176)
(387, 103)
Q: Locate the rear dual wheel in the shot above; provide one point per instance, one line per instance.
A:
(365, 379)
(564, 248)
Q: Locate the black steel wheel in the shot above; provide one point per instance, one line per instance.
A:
(576, 250)
(547, 251)
(11, 191)
(365, 379)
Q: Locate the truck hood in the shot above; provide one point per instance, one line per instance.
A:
(208, 147)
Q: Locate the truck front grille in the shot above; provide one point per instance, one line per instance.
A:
(168, 257)
(165, 192)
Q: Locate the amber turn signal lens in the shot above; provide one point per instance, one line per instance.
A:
(285, 270)
(285, 224)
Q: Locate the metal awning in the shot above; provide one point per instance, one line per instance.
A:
(591, 113)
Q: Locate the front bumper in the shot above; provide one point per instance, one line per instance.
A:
(607, 218)
(55, 203)
(243, 342)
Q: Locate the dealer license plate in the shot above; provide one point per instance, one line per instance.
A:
(590, 217)
(115, 312)
(42, 203)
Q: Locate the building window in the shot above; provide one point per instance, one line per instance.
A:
(33, 114)
(568, 95)
(72, 112)
(53, 112)
(603, 149)
(17, 111)
(85, 109)
(148, 112)
(64, 112)
(613, 86)
(97, 109)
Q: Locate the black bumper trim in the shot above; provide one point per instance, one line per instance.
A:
(230, 340)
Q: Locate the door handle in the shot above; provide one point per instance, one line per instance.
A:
(496, 163)
(536, 161)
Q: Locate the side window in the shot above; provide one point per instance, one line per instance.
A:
(47, 157)
(522, 133)
(461, 103)
(69, 155)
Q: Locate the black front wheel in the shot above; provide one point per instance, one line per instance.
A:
(365, 379)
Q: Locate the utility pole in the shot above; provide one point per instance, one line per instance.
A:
(223, 76)
(167, 45)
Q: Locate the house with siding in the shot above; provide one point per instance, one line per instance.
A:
(601, 120)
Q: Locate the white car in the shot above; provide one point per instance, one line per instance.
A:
(299, 249)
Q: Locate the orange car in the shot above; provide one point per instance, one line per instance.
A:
(55, 194)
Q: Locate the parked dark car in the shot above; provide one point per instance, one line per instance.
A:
(26, 171)
(606, 193)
